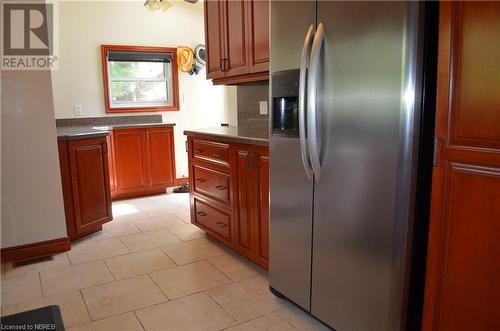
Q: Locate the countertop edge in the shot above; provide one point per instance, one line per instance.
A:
(85, 135)
(229, 138)
(139, 125)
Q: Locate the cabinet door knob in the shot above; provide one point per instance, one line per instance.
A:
(221, 224)
(218, 154)
(201, 213)
(220, 187)
(197, 150)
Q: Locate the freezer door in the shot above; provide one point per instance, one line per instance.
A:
(291, 190)
(366, 118)
(290, 222)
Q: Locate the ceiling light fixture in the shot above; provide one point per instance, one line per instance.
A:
(154, 5)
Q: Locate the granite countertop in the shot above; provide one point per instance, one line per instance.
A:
(93, 131)
(91, 127)
(235, 134)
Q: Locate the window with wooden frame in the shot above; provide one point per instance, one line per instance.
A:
(139, 78)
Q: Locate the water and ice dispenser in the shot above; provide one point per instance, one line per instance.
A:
(285, 102)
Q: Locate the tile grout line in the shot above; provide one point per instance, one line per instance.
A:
(126, 311)
(86, 287)
(185, 296)
(283, 319)
(253, 319)
(227, 275)
(235, 282)
(109, 269)
(138, 319)
(86, 307)
(101, 259)
(220, 306)
(197, 292)
(41, 286)
(158, 287)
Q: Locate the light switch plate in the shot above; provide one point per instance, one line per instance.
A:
(263, 107)
(78, 109)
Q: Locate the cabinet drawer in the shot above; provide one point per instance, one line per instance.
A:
(211, 151)
(212, 219)
(212, 184)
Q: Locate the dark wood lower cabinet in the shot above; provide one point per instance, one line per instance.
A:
(160, 157)
(86, 185)
(262, 226)
(130, 161)
(230, 194)
(142, 161)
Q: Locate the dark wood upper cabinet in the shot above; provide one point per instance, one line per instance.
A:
(258, 12)
(236, 59)
(214, 38)
(86, 190)
(237, 40)
(462, 291)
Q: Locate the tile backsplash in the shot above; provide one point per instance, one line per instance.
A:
(248, 98)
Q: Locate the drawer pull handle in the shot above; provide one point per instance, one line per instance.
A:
(220, 187)
(201, 213)
(221, 224)
(197, 150)
(219, 154)
(201, 180)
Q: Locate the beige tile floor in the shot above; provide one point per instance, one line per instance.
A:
(150, 269)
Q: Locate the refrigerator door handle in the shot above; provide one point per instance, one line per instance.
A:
(306, 51)
(312, 111)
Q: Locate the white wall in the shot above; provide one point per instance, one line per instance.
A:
(85, 25)
(32, 202)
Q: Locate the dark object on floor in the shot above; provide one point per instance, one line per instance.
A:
(46, 318)
(184, 188)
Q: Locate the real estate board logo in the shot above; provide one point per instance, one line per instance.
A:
(29, 35)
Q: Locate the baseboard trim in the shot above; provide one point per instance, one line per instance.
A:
(29, 251)
(181, 181)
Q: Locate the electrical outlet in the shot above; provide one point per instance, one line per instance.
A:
(78, 109)
(263, 107)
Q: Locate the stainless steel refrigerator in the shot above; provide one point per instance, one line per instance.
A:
(346, 110)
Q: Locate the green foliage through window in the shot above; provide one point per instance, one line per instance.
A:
(139, 82)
